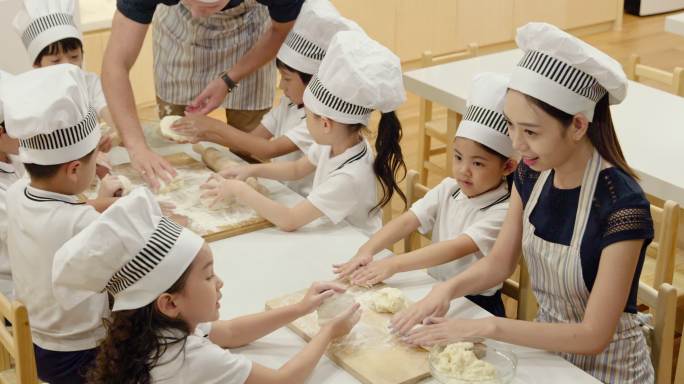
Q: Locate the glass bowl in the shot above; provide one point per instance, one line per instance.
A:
(505, 363)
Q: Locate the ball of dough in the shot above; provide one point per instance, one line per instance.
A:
(175, 184)
(166, 131)
(334, 306)
(126, 185)
(388, 300)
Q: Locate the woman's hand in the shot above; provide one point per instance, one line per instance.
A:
(211, 97)
(435, 304)
(441, 331)
(344, 270)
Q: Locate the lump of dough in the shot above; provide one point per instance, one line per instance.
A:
(388, 300)
(175, 184)
(334, 306)
(460, 361)
(126, 184)
(166, 131)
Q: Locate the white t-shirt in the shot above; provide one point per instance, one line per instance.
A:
(448, 212)
(95, 94)
(9, 174)
(344, 186)
(290, 120)
(200, 362)
(40, 222)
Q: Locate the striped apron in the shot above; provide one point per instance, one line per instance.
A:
(558, 284)
(191, 52)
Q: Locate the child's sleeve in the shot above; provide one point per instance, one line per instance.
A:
(270, 119)
(484, 232)
(335, 197)
(314, 153)
(215, 365)
(426, 209)
(300, 136)
(95, 94)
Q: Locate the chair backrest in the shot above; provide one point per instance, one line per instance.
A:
(637, 71)
(17, 342)
(666, 222)
(663, 307)
(414, 192)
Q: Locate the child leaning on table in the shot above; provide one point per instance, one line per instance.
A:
(464, 212)
(164, 326)
(357, 76)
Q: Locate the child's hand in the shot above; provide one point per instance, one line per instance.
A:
(240, 172)
(109, 186)
(199, 128)
(317, 293)
(375, 272)
(344, 323)
(218, 189)
(344, 270)
(105, 144)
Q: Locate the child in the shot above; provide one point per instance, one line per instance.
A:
(356, 76)
(282, 134)
(11, 170)
(164, 325)
(50, 35)
(58, 136)
(576, 211)
(464, 213)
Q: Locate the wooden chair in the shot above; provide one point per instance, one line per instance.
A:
(442, 130)
(520, 291)
(637, 71)
(662, 304)
(664, 246)
(17, 345)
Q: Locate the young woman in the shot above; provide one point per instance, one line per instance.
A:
(357, 76)
(164, 326)
(577, 212)
(463, 213)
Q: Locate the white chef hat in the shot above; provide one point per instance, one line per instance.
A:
(564, 71)
(130, 251)
(43, 22)
(48, 110)
(357, 76)
(307, 42)
(484, 121)
(3, 75)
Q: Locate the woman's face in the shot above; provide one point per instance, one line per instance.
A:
(199, 8)
(198, 302)
(542, 141)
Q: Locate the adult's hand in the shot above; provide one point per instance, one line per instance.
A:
(151, 166)
(210, 99)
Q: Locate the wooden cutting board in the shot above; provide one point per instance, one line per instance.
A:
(369, 353)
(220, 224)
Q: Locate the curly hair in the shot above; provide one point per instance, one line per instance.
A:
(134, 343)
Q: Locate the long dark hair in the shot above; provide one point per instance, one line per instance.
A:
(388, 159)
(601, 131)
(134, 342)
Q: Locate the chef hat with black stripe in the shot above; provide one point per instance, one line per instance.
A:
(484, 121)
(49, 111)
(306, 44)
(357, 75)
(131, 251)
(43, 22)
(3, 75)
(564, 71)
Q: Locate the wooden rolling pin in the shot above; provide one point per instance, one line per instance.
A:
(213, 158)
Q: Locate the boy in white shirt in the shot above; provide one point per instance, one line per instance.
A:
(464, 213)
(48, 30)
(11, 170)
(58, 137)
(282, 135)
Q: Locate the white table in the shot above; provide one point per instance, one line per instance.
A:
(649, 123)
(265, 264)
(675, 23)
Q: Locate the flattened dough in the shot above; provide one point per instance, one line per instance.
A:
(388, 300)
(166, 131)
(334, 306)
